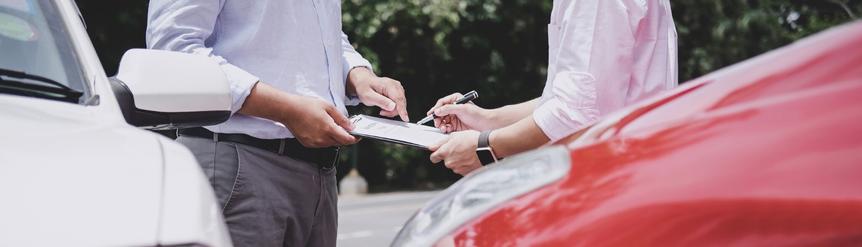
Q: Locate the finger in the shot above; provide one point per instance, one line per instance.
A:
(438, 145)
(449, 164)
(388, 113)
(458, 126)
(447, 110)
(379, 100)
(460, 171)
(339, 119)
(340, 136)
(436, 157)
(396, 93)
(402, 112)
(445, 101)
(442, 122)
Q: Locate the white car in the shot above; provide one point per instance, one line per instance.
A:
(73, 170)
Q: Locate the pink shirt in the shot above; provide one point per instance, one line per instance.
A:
(604, 55)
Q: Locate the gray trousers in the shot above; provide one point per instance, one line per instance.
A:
(268, 199)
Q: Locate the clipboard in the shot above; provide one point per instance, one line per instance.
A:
(391, 131)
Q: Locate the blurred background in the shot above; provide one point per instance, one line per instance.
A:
(499, 48)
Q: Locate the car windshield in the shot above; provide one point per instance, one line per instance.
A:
(37, 58)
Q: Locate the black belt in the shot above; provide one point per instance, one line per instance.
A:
(324, 157)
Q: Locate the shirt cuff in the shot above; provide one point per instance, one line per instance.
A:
(241, 83)
(352, 61)
(352, 101)
(558, 121)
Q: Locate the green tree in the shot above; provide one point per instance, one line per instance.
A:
(714, 34)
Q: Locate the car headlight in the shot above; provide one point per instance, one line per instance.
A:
(481, 191)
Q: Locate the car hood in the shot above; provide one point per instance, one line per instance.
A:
(69, 174)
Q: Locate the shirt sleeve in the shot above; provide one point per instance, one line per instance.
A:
(183, 26)
(593, 66)
(352, 59)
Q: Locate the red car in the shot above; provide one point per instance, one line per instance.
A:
(767, 152)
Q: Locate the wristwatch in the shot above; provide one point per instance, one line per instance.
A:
(484, 151)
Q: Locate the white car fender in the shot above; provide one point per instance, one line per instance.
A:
(190, 213)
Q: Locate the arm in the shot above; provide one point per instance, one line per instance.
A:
(322, 125)
(590, 64)
(183, 25)
(510, 114)
(516, 138)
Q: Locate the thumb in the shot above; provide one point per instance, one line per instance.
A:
(450, 110)
(378, 100)
(340, 120)
(435, 147)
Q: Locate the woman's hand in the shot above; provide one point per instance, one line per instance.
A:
(458, 152)
(452, 117)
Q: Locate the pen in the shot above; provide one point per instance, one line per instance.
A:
(470, 96)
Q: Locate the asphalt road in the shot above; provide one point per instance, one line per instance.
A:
(374, 220)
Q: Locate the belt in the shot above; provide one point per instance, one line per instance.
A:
(326, 158)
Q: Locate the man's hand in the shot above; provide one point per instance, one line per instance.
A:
(383, 92)
(461, 117)
(458, 152)
(314, 122)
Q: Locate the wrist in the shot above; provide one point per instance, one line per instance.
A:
(493, 143)
(290, 105)
(265, 101)
(494, 118)
(484, 150)
(357, 80)
(492, 115)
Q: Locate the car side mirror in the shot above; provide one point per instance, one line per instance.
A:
(167, 90)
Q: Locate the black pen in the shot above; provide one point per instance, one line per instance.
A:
(470, 96)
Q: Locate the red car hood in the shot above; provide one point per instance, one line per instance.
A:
(767, 152)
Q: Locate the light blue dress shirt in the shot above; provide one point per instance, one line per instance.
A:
(296, 46)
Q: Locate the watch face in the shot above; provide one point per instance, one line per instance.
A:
(486, 156)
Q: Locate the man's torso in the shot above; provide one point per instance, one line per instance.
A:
(293, 45)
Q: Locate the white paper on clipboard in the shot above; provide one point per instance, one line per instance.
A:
(396, 131)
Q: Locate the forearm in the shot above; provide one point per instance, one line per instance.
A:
(267, 102)
(511, 114)
(519, 137)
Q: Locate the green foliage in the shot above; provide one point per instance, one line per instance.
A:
(714, 34)
(498, 47)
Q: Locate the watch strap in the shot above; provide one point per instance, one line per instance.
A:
(484, 139)
(484, 151)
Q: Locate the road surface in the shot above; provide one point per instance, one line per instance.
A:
(374, 220)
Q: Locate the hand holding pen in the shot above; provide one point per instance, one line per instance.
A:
(470, 96)
(451, 117)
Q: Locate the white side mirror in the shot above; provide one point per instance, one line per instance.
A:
(163, 90)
